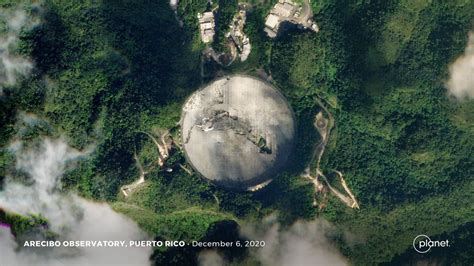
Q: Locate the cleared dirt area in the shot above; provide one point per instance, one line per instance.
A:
(324, 125)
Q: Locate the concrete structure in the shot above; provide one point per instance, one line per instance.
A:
(206, 26)
(283, 10)
(287, 10)
(237, 36)
(238, 132)
(271, 25)
(246, 49)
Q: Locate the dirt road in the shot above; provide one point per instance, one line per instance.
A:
(324, 127)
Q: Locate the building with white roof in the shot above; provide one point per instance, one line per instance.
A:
(207, 26)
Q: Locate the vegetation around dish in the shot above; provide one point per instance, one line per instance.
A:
(107, 70)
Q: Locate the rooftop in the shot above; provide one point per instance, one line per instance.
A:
(272, 21)
(206, 26)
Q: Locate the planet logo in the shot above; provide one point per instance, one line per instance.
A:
(423, 243)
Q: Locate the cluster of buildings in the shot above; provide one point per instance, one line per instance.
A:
(287, 10)
(207, 26)
(284, 11)
(239, 43)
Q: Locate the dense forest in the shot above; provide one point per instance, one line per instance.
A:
(107, 70)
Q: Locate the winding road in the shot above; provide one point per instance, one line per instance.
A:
(324, 127)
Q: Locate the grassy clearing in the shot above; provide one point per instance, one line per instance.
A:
(396, 32)
(463, 117)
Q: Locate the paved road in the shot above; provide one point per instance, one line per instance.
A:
(307, 12)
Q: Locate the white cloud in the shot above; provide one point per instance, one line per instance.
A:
(72, 217)
(461, 80)
(13, 65)
(303, 243)
(174, 4)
